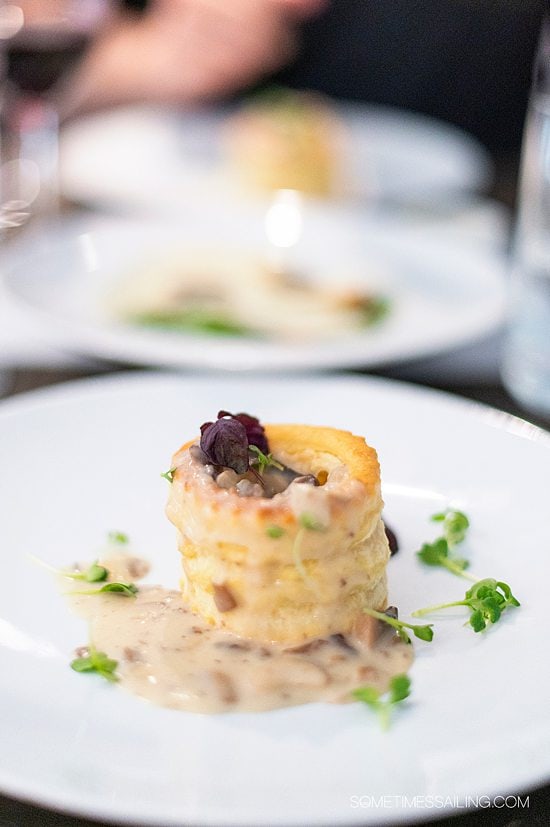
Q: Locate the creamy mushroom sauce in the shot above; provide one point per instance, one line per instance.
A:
(171, 657)
(302, 492)
(273, 480)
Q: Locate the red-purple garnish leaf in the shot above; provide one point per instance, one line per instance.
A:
(225, 443)
(392, 539)
(254, 429)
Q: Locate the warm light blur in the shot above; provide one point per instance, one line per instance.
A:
(284, 219)
(11, 20)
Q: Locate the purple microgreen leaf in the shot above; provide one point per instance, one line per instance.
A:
(225, 443)
(254, 429)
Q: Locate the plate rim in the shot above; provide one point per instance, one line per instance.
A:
(165, 350)
(479, 173)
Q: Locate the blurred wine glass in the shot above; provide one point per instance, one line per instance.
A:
(526, 353)
(41, 43)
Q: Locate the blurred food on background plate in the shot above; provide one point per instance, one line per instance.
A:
(230, 292)
(287, 139)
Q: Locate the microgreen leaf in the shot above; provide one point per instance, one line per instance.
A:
(97, 662)
(169, 475)
(487, 600)
(225, 443)
(400, 688)
(374, 309)
(455, 525)
(310, 522)
(437, 554)
(264, 461)
(192, 320)
(274, 531)
(124, 589)
(119, 537)
(93, 574)
(423, 632)
(382, 703)
(368, 694)
(255, 432)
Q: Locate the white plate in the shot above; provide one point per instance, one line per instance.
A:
(85, 458)
(150, 158)
(444, 293)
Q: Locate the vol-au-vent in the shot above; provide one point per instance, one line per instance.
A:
(283, 595)
(280, 529)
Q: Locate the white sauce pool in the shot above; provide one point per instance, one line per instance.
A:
(171, 657)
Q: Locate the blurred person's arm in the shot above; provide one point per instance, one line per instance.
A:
(188, 51)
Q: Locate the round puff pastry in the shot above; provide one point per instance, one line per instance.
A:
(294, 144)
(297, 566)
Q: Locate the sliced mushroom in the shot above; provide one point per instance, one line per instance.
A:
(341, 641)
(223, 597)
(306, 648)
(224, 686)
(367, 629)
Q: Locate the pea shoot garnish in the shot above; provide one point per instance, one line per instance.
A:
(487, 600)
(229, 441)
(423, 632)
(264, 461)
(97, 662)
(455, 525)
(383, 703)
(124, 589)
(95, 573)
(119, 538)
(374, 309)
(310, 522)
(193, 320)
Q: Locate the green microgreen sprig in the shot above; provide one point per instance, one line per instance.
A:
(192, 320)
(124, 589)
(487, 600)
(95, 573)
(374, 309)
(310, 522)
(119, 538)
(97, 662)
(169, 475)
(264, 461)
(383, 703)
(455, 525)
(423, 632)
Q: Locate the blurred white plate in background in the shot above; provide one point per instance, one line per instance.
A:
(148, 158)
(93, 453)
(443, 294)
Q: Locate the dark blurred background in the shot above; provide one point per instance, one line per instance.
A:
(468, 62)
